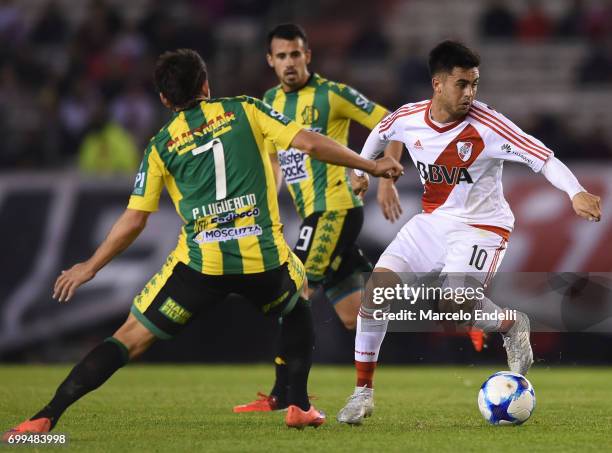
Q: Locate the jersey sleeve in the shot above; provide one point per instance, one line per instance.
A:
(508, 142)
(373, 146)
(269, 147)
(149, 182)
(275, 126)
(350, 103)
(390, 127)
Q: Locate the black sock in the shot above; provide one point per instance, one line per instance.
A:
(281, 385)
(297, 339)
(87, 375)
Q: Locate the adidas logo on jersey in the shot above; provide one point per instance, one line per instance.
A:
(440, 174)
(417, 145)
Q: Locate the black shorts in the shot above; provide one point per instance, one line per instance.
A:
(327, 246)
(177, 293)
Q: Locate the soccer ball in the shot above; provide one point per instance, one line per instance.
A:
(506, 399)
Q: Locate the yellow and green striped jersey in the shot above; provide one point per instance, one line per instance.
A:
(326, 107)
(212, 160)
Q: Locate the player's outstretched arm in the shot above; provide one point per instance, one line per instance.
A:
(373, 146)
(585, 205)
(327, 150)
(125, 230)
(387, 196)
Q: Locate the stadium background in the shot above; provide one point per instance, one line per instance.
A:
(77, 106)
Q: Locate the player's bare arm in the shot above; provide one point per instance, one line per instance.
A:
(125, 230)
(373, 146)
(327, 150)
(387, 196)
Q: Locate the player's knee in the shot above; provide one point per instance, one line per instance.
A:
(457, 305)
(349, 317)
(378, 287)
(349, 323)
(347, 309)
(463, 298)
(134, 336)
(306, 291)
(309, 291)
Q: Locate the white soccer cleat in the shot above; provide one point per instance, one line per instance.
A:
(358, 406)
(518, 346)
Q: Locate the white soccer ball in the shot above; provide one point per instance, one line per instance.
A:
(506, 399)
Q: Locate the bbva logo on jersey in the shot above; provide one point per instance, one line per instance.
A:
(464, 149)
(438, 174)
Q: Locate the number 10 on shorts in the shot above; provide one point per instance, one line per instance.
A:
(479, 257)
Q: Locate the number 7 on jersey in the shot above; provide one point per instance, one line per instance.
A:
(219, 157)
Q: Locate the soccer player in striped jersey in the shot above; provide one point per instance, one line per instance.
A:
(210, 157)
(331, 214)
(459, 146)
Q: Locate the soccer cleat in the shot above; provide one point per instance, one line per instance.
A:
(359, 405)
(518, 347)
(478, 338)
(263, 403)
(297, 418)
(40, 425)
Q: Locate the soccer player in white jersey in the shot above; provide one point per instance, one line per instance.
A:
(458, 146)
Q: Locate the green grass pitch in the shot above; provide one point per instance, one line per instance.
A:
(188, 408)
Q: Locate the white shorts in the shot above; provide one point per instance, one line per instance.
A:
(432, 243)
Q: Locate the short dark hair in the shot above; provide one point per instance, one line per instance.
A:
(450, 54)
(179, 75)
(288, 32)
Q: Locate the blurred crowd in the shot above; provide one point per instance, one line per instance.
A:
(76, 89)
(591, 22)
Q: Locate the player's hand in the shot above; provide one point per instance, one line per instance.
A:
(388, 167)
(388, 200)
(70, 280)
(587, 206)
(360, 184)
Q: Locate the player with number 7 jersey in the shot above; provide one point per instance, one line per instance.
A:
(211, 159)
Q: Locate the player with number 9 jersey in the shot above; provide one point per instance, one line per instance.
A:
(210, 157)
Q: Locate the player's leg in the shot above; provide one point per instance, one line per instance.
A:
(127, 343)
(161, 310)
(368, 340)
(324, 239)
(343, 282)
(318, 238)
(473, 259)
(344, 286)
(282, 292)
(417, 248)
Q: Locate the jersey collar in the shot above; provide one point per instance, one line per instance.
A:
(311, 82)
(437, 128)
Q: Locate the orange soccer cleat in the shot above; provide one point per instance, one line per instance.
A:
(297, 418)
(263, 403)
(40, 425)
(478, 338)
